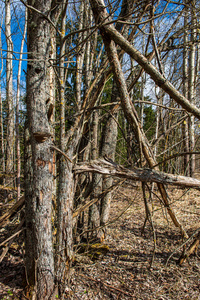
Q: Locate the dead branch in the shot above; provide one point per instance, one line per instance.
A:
(10, 240)
(105, 167)
(192, 248)
(180, 261)
(12, 211)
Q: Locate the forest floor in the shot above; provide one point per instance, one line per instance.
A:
(126, 271)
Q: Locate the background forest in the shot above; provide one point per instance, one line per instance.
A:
(95, 96)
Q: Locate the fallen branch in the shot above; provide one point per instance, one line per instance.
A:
(12, 211)
(182, 245)
(105, 167)
(10, 240)
(193, 248)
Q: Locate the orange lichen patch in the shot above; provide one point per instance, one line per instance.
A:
(50, 167)
(40, 163)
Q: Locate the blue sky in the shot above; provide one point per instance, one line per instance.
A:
(17, 29)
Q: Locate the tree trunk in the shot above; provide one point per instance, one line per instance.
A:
(1, 114)
(64, 241)
(17, 111)
(39, 247)
(108, 148)
(185, 93)
(191, 87)
(100, 14)
(94, 211)
(9, 96)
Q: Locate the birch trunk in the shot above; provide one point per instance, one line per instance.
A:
(9, 95)
(185, 93)
(191, 87)
(17, 110)
(80, 55)
(39, 247)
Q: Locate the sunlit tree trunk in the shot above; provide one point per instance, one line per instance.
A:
(39, 246)
(64, 242)
(185, 93)
(191, 86)
(1, 113)
(94, 212)
(108, 148)
(9, 96)
(80, 54)
(17, 111)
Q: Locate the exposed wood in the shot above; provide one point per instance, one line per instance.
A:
(104, 167)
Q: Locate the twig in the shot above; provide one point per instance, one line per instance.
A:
(58, 150)
(12, 210)
(11, 237)
(10, 240)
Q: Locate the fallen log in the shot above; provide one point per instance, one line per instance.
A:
(108, 167)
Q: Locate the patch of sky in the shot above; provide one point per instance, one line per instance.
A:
(17, 29)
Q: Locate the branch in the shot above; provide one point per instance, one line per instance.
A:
(160, 80)
(105, 167)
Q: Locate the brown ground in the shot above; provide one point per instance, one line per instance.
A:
(124, 272)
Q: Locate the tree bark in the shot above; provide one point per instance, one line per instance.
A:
(191, 86)
(185, 93)
(39, 247)
(108, 148)
(64, 241)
